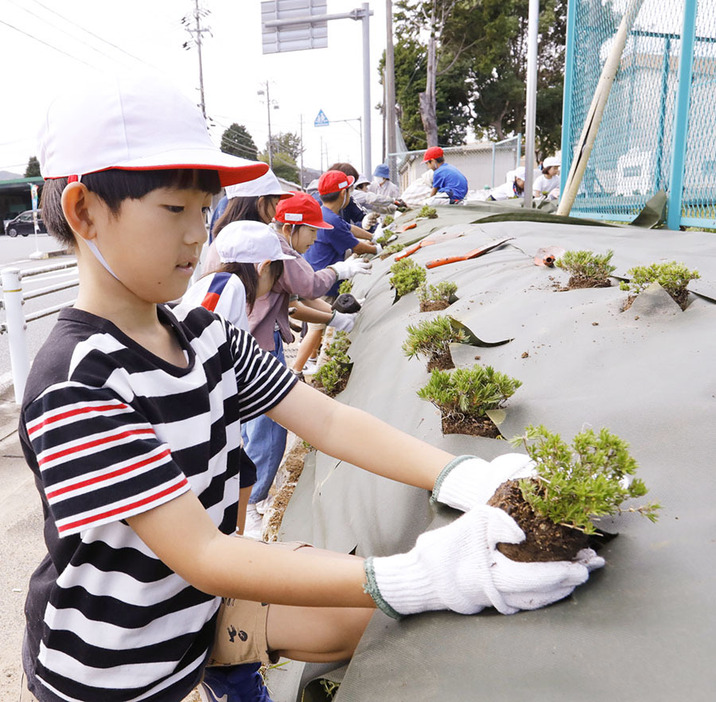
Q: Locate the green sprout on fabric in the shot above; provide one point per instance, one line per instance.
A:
(394, 248)
(345, 287)
(388, 220)
(672, 276)
(332, 376)
(383, 239)
(587, 265)
(427, 212)
(442, 292)
(432, 338)
(407, 276)
(577, 483)
(468, 392)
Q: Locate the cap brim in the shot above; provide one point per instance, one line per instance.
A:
(231, 169)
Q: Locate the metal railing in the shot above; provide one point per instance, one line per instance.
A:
(15, 324)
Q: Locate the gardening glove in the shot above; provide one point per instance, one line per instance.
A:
(468, 481)
(345, 270)
(458, 567)
(369, 221)
(342, 321)
(378, 248)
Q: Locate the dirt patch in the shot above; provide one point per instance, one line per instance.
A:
(440, 361)
(545, 540)
(681, 299)
(434, 305)
(473, 426)
(291, 468)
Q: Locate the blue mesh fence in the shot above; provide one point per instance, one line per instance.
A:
(643, 145)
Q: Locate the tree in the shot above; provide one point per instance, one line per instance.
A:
(33, 168)
(237, 141)
(286, 148)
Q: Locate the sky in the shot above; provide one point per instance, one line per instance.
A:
(43, 42)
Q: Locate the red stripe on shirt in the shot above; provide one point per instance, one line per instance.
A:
(210, 301)
(96, 442)
(74, 412)
(125, 508)
(107, 476)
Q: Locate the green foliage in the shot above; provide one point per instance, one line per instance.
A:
(237, 141)
(407, 275)
(587, 264)
(285, 150)
(383, 240)
(393, 249)
(33, 168)
(432, 337)
(442, 292)
(428, 212)
(579, 482)
(332, 375)
(345, 287)
(672, 276)
(468, 391)
(387, 221)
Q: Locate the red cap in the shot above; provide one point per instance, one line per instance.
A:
(300, 209)
(333, 182)
(433, 152)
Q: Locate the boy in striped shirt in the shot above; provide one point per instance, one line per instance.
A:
(131, 425)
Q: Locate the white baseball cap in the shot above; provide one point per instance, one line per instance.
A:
(520, 173)
(247, 241)
(137, 121)
(267, 184)
(551, 161)
(362, 180)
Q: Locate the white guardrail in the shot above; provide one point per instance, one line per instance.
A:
(15, 324)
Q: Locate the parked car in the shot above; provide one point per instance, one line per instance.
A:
(24, 225)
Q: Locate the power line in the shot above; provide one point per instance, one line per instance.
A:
(22, 31)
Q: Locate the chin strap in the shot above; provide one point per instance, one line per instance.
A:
(97, 254)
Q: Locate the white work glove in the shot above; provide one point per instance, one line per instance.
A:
(345, 270)
(378, 247)
(342, 321)
(468, 481)
(370, 220)
(458, 567)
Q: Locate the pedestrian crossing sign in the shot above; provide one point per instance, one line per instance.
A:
(321, 119)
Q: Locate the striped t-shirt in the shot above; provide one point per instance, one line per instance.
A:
(111, 430)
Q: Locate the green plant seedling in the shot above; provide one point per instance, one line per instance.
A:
(427, 212)
(587, 269)
(436, 297)
(407, 276)
(332, 376)
(465, 395)
(387, 221)
(345, 287)
(574, 484)
(672, 276)
(432, 338)
(383, 240)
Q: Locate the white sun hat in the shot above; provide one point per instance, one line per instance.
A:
(137, 121)
(520, 173)
(247, 241)
(551, 161)
(267, 184)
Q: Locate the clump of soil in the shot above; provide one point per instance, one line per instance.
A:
(545, 540)
(434, 306)
(338, 388)
(440, 361)
(681, 299)
(473, 426)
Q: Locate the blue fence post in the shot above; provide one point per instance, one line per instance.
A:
(567, 99)
(658, 176)
(681, 120)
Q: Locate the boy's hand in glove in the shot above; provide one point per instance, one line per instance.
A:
(468, 481)
(458, 567)
(342, 321)
(345, 270)
(369, 221)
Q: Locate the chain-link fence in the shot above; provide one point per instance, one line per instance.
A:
(658, 130)
(484, 164)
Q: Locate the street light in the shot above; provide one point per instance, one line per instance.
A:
(269, 104)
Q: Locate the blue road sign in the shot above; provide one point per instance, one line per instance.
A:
(321, 119)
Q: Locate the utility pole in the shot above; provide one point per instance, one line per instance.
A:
(269, 105)
(389, 80)
(196, 33)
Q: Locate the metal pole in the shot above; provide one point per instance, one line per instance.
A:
(389, 78)
(531, 111)
(367, 167)
(569, 69)
(300, 177)
(15, 323)
(268, 116)
(681, 119)
(199, 31)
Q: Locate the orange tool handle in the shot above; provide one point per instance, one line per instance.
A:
(413, 249)
(443, 261)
